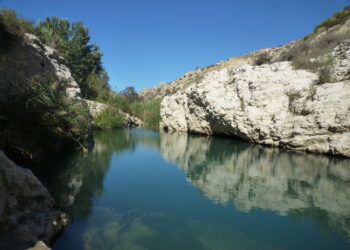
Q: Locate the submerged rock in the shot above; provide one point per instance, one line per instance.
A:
(27, 210)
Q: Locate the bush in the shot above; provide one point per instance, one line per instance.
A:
(119, 102)
(14, 24)
(262, 58)
(324, 75)
(36, 119)
(338, 18)
(325, 71)
(305, 51)
(12, 29)
(148, 112)
(109, 119)
(84, 59)
(293, 95)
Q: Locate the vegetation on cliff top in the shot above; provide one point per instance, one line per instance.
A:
(35, 116)
(308, 52)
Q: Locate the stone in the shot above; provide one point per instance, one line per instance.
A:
(39, 246)
(271, 104)
(45, 60)
(131, 121)
(96, 108)
(27, 210)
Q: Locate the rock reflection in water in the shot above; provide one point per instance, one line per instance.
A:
(265, 178)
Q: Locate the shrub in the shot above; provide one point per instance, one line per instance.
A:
(262, 58)
(119, 102)
(109, 119)
(12, 29)
(338, 18)
(84, 59)
(14, 24)
(36, 119)
(324, 75)
(305, 51)
(148, 112)
(325, 71)
(293, 95)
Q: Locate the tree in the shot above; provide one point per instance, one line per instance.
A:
(72, 41)
(130, 94)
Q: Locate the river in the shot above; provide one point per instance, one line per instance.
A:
(140, 189)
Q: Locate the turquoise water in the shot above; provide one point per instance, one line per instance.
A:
(139, 189)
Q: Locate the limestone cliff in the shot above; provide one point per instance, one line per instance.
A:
(262, 98)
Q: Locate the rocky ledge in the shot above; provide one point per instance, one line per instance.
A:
(27, 210)
(271, 104)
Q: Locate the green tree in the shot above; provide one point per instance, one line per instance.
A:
(130, 94)
(84, 59)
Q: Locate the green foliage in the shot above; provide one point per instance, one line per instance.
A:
(12, 28)
(119, 102)
(130, 94)
(15, 24)
(109, 119)
(306, 52)
(72, 41)
(293, 95)
(36, 120)
(148, 112)
(338, 18)
(262, 58)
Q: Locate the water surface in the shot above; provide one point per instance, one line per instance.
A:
(139, 189)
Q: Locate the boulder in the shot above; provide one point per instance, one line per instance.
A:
(27, 210)
(96, 107)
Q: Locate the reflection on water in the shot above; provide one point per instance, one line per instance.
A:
(266, 178)
(127, 194)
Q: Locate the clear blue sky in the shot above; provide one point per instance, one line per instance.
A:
(148, 41)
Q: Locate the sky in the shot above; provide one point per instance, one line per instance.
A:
(145, 42)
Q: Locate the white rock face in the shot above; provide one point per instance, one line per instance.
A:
(272, 104)
(96, 107)
(341, 69)
(46, 60)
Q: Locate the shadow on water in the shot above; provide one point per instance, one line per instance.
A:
(231, 173)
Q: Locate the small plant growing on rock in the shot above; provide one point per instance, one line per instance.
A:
(263, 58)
(325, 71)
(293, 95)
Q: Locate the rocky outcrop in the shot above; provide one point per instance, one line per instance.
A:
(131, 121)
(195, 76)
(96, 107)
(44, 60)
(271, 104)
(27, 210)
